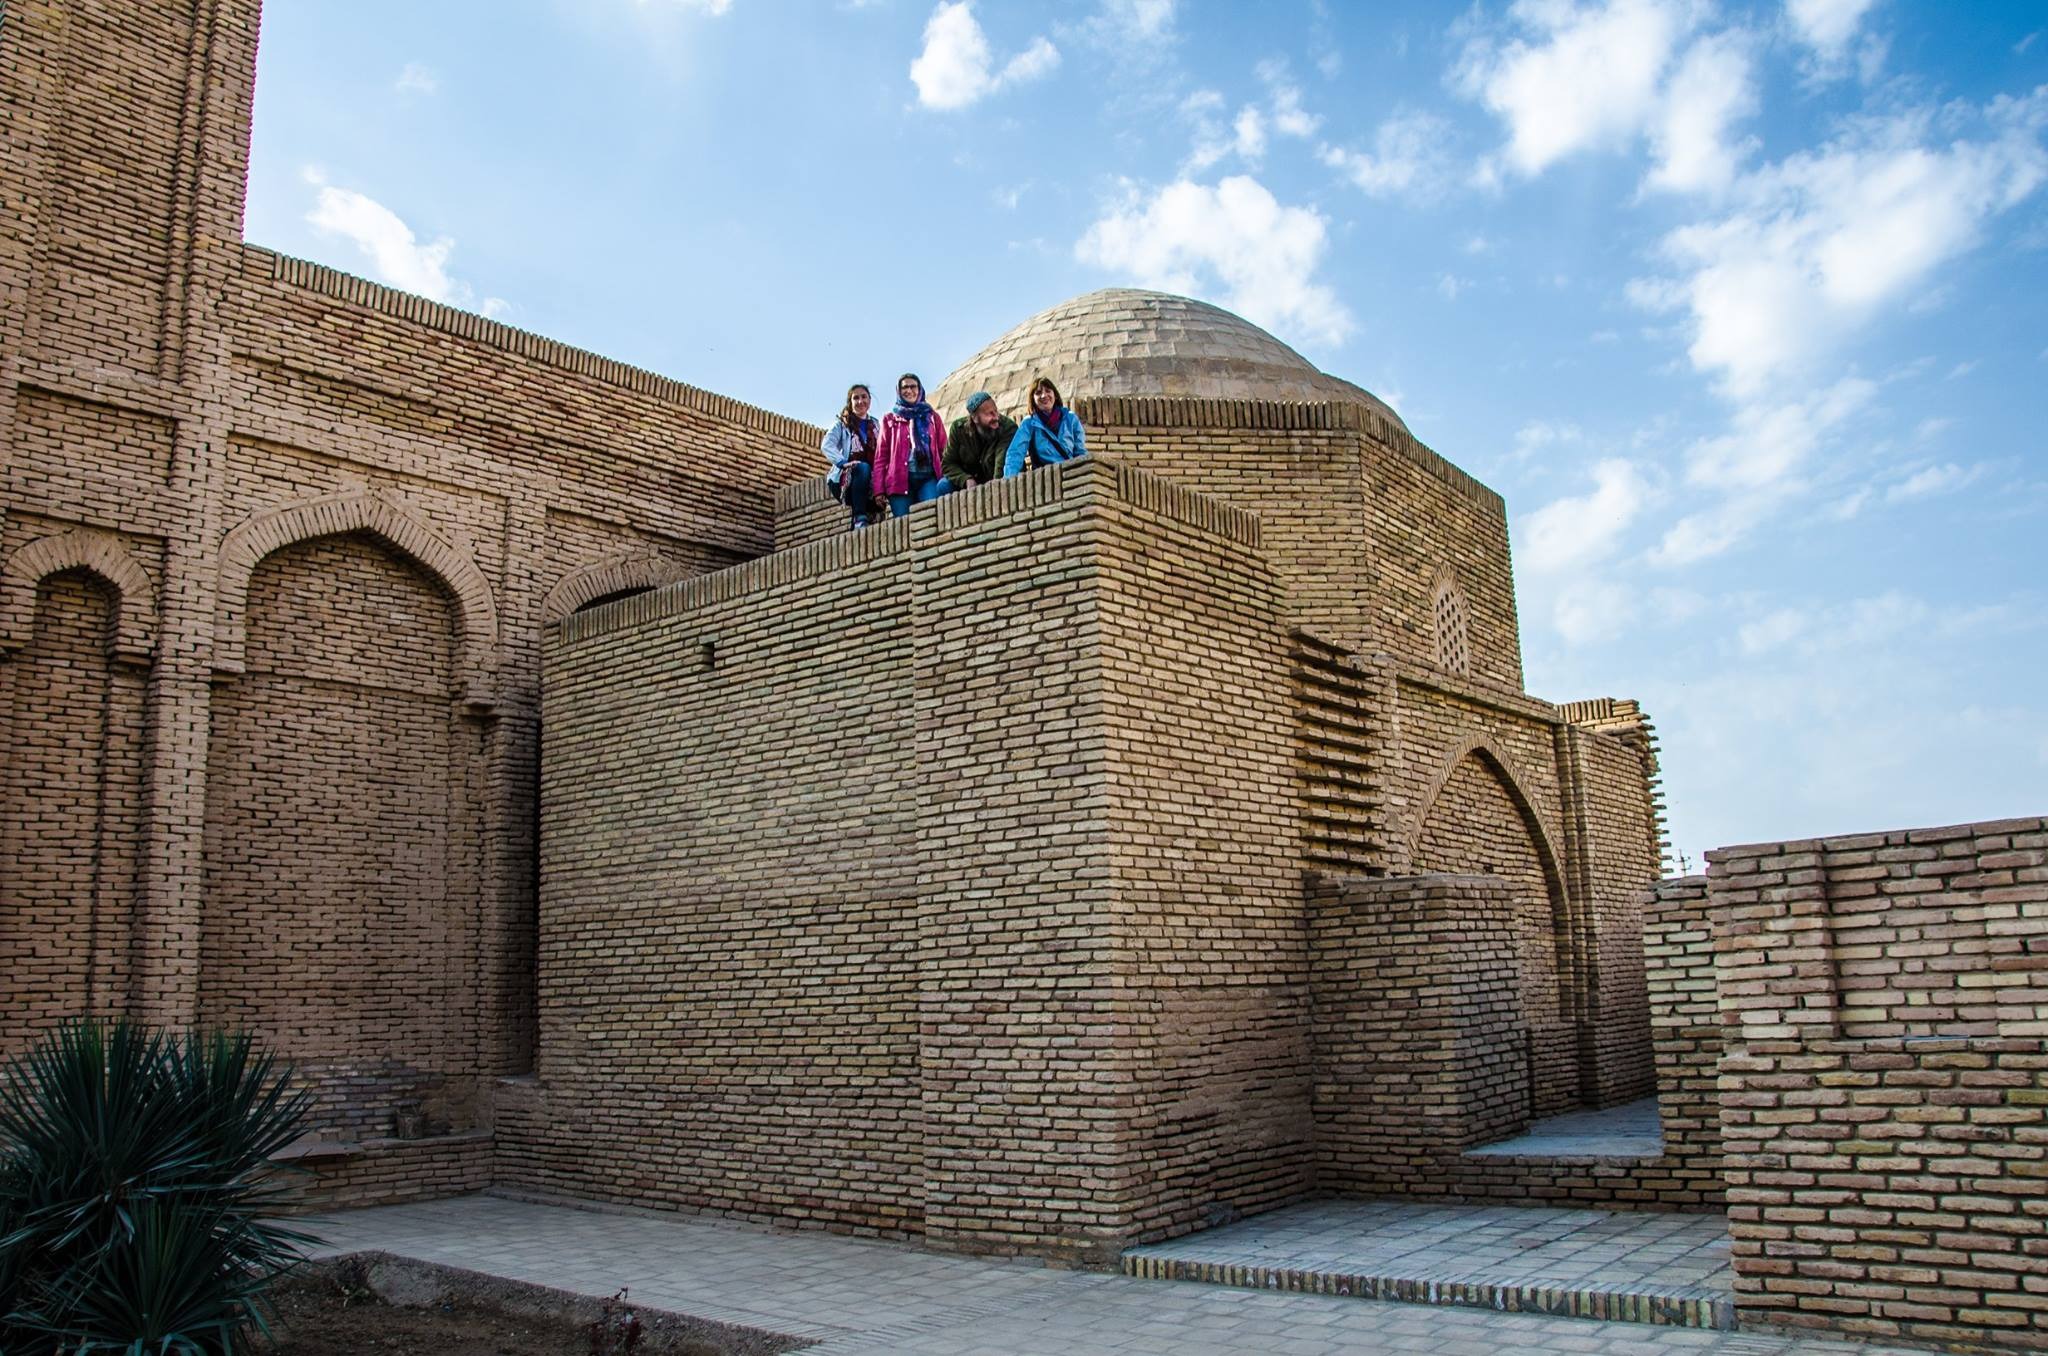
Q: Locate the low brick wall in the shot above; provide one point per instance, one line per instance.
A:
(1685, 1034)
(1884, 1097)
(388, 1171)
(1418, 1051)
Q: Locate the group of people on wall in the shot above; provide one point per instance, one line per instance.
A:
(909, 456)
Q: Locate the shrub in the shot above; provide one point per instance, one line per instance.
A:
(134, 1171)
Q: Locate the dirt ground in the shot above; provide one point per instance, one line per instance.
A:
(324, 1323)
(327, 1320)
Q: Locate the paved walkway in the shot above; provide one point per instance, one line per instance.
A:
(1630, 1130)
(860, 1297)
(1652, 1268)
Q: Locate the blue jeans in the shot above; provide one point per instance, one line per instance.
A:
(923, 489)
(853, 490)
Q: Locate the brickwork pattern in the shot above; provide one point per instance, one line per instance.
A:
(226, 440)
(728, 981)
(1420, 1040)
(1884, 1098)
(1097, 1039)
(70, 776)
(1684, 1003)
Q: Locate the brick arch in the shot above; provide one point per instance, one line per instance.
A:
(381, 516)
(616, 573)
(1516, 783)
(81, 548)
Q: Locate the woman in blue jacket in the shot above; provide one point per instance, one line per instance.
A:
(1050, 433)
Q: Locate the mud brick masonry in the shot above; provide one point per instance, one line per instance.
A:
(518, 742)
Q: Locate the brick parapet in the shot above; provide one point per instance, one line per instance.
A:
(1884, 1092)
(267, 264)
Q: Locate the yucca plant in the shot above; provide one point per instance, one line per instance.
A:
(134, 1175)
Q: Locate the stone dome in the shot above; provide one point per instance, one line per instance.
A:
(1123, 341)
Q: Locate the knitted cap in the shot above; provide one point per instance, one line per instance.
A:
(977, 400)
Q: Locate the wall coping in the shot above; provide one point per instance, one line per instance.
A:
(894, 536)
(1856, 842)
(332, 282)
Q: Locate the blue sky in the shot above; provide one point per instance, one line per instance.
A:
(1739, 305)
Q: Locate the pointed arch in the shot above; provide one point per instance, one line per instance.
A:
(81, 548)
(1513, 780)
(619, 572)
(383, 516)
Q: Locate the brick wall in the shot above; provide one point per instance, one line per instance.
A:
(1016, 1005)
(728, 981)
(1885, 1088)
(1204, 855)
(70, 773)
(1420, 1040)
(329, 519)
(1685, 1024)
(1608, 780)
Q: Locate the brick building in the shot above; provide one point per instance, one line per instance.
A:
(473, 718)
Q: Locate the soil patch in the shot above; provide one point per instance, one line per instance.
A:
(324, 1322)
(377, 1307)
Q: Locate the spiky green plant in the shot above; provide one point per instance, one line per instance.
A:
(134, 1175)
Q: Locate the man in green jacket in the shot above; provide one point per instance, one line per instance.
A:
(975, 445)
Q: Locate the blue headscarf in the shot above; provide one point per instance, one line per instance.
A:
(919, 413)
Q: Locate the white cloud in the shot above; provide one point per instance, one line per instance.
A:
(1711, 531)
(395, 255)
(1589, 611)
(1603, 76)
(1932, 480)
(1823, 239)
(1827, 26)
(1408, 159)
(1712, 89)
(1234, 242)
(1769, 443)
(1588, 80)
(1450, 285)
(1289, 117)
(957, 66)
(1770, 632)
(1137, 20)
(1250, 133)
(416, 79)
(1581, 529)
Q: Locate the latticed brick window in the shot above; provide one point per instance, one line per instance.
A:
(1453, 649)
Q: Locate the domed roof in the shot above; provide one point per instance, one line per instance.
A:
(1122, 341)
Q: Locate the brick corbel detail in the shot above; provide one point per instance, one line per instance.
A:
(385, 518)
(615, 573)
(81, 548)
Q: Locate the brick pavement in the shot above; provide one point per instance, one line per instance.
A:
(867, 1297)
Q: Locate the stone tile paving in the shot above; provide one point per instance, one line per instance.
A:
(861, 1297)
(1630, 1130)
(1660, 1268)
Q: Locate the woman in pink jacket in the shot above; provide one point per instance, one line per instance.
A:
(908, 452)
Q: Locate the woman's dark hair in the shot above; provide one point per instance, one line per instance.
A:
(910, 376)
(846, 415)
(1043, 384)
